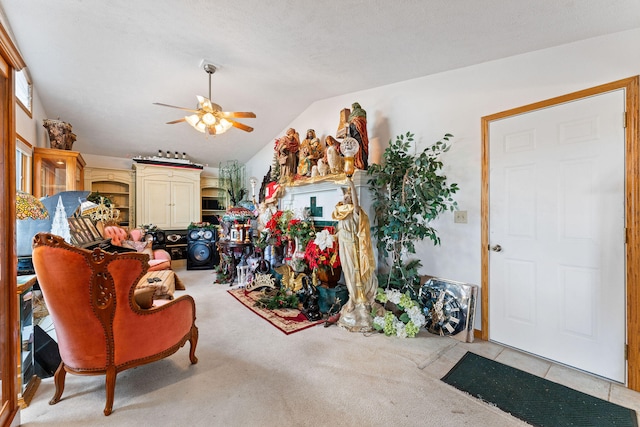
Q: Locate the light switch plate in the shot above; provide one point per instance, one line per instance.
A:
(460, 217)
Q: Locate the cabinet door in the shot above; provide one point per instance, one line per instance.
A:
(156, 204)
(183, 204)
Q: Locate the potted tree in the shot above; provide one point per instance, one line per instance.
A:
(409, 191)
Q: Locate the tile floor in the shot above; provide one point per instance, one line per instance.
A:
(573, 378)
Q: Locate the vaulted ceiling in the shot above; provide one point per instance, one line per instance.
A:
(102, 65)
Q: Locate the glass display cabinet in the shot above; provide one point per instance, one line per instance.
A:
(28, 381)
(56, 170)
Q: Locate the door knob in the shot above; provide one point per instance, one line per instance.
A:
(496, 248)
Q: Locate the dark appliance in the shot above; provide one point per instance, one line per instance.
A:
(176, 243)
(159, 238)
(202, 253)
(47, 355)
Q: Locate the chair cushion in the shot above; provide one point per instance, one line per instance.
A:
(142, 247)
(117, 234)
(136, 234)
(163, 282)
(159, 264)
(144, 297)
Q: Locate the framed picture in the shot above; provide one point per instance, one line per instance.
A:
(92, 228)
(85, 229)
(82, 234)
(76, 234)
(72, 225)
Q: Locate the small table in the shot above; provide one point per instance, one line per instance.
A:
(231, 254)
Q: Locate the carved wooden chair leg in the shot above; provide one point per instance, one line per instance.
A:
(58, 379)
(193, 341)
(110, 385)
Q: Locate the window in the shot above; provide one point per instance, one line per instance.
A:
(23, 165)
(24, 90)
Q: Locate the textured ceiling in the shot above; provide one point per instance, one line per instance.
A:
(101, 65)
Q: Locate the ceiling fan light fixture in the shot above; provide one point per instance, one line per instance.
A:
(195, 122)
(222, 126)
(209, 119)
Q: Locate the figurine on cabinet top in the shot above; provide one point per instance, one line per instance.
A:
(332, 155)
(358, 130)
(304, 160)
(311, 150)
(287, 152)
(316, 148)
(342, 126)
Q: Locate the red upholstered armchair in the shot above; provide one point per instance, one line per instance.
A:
(101, 329)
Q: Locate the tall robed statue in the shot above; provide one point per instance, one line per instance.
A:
(358, 263)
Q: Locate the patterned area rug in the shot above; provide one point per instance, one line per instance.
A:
(288, 320)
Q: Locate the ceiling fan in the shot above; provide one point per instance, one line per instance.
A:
(209, 117)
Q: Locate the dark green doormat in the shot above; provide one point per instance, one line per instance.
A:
(533, 399)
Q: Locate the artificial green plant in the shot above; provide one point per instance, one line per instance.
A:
(232, 178)
(409, 191)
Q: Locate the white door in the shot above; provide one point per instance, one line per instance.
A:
(556, 230)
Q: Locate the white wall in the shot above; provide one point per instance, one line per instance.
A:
(31, 129)
(454, 102)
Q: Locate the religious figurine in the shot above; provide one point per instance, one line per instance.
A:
(287, 151)
(358, 263)
(332, 155)
(342, 126)
(322, 167)
(358, 130)
(313, 150)
(304, 160)
(316, 149)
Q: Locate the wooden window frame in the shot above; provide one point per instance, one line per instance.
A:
(27, 108)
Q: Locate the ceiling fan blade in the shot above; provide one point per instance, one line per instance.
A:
(173, 106)
(173, 122)
(241, 126)
(238, 114)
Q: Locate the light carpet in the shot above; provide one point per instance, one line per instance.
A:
(251, 374)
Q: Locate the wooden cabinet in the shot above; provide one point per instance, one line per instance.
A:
(117, 185)
(214, 198)
(56, 170)
(168, 197)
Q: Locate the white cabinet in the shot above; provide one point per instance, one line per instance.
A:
(117, 186)
(168, 197)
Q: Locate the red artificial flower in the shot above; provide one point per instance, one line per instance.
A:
(329, 257)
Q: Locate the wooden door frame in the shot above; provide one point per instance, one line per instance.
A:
(632, 210)
(9, 322)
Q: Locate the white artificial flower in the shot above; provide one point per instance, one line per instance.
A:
(378, 321)
(393, 295)
(416, 316)
(400, 330)
(324, 240)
